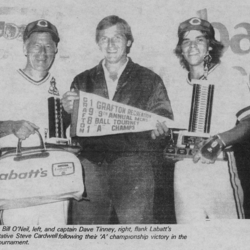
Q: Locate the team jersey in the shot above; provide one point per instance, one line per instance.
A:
(22, 98)
(231, 99)
(210, 191)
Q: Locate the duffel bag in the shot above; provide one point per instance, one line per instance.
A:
(38, 175)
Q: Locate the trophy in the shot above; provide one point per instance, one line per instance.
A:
(56, 131)
(181, 142)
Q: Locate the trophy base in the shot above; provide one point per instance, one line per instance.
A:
(59, 141)
(181, 143)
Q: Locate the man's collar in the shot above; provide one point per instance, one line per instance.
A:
(211, 69)
(27, 77)
(100, 69)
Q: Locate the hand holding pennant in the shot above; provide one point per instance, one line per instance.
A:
(96, 116)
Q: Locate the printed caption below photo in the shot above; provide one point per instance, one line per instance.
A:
(22, 235)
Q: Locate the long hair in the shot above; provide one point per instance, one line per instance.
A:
(216, 52)
(110, 21)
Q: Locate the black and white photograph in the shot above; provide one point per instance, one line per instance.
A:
(124, 124)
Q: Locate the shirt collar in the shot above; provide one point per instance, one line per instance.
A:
(213, 67)
(119, 71)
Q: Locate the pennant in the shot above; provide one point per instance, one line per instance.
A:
(94, 115)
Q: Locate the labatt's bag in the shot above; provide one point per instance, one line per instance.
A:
(38, 175)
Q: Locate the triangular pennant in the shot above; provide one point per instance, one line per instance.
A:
(94, 115)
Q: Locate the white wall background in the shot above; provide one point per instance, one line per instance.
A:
(154, 25)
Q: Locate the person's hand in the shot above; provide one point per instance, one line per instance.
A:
(68, 100)
(208, 150)
(23, 129)
(161, 129)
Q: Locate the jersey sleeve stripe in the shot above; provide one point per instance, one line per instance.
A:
(243, 113)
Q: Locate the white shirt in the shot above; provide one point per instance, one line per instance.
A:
(231, 95)
(21, 98)
(112, 84)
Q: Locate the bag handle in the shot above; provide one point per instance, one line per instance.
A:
(42, 154)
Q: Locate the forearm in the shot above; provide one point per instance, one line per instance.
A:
(237, 134)
(6, 128)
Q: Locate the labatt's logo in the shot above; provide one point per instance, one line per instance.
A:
(24, 175)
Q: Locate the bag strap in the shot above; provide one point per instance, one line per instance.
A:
(42, 153)
(19, 143)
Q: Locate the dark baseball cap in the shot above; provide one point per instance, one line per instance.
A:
(196, 23)
(41, 26)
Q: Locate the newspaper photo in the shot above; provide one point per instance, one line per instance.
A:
(125, 124)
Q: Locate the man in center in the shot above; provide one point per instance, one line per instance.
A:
(119, 172)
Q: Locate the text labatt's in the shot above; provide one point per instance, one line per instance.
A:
(94, 115)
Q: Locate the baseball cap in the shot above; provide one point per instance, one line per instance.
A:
(41, 26)
(196, 23)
